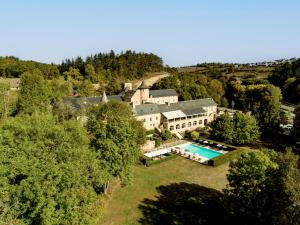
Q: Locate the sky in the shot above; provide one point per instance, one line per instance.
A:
(182, 32)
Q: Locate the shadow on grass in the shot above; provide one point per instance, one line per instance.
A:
(183, 203)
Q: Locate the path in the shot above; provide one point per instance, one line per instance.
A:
(152, 80)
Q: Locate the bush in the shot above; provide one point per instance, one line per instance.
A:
(226, 158)
(148, 161)
(158, 142)
(166, 135)
(195, 135)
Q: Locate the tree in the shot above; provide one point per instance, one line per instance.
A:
(59, 88)
(86, 89)
(34, 94)
(222, 128)
(216, 90)
(239, 129)
(265, 104)
(116, 137)
(166, 135)
(4, 100)
(285, 194)
(48, 173)
(245, 197)
(73, 74)
(245, 128)
(264, 189)
(91, 74)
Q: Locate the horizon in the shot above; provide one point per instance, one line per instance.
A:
(181, 33)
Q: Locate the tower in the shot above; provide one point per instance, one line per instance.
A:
(144, 91)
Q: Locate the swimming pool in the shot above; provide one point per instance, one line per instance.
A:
(205, 152)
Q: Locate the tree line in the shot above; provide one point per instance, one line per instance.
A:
(108, 70)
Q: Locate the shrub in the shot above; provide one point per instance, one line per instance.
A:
(158, 142)
(226, 158)
(195, 135)
(166, 135)
(148, 161)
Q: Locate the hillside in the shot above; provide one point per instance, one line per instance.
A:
(219, 70)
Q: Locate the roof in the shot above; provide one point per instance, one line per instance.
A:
(174, 114)
(188, 107)
(190, 112)
(79, 102)
(163, 93)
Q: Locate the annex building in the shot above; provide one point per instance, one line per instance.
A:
(159, 108)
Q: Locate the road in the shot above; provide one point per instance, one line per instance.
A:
(152, 80)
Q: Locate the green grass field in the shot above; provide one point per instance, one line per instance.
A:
(122, 207)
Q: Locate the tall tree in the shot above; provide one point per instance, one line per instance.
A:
(116, 137)
(34, 94)
(264, 189)
(239, 129)
(265, 103)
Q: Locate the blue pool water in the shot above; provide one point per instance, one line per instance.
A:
(205, 152)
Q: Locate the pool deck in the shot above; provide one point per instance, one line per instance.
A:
(178, 149)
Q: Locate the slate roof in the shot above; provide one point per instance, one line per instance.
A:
(78, 102)
(188, 107)
(163, 93)
(190, 112)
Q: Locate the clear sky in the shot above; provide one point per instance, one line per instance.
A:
(182, 32)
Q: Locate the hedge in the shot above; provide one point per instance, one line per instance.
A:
(148, 161)
(226, 158)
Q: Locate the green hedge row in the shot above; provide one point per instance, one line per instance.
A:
(148, 161)
(235, 154)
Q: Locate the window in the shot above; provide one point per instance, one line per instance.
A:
(205, 121)
(183, 125)
(189, 124)
(157, 118)
(200, 121)
(194, 123)
(150, 118)
(177, 126)
(171, 127)
(144, 120)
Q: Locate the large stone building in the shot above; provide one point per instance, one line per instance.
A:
(159, 108)
(178, 116)
(142, 95)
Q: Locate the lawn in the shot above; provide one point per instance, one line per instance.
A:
(123, 204)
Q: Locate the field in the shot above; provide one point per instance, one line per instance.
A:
(129, 205)
(261, 72)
